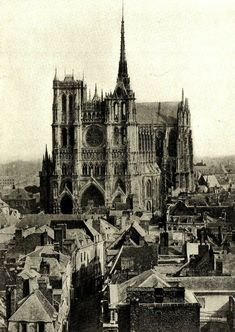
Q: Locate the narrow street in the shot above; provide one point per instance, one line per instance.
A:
(85, 315)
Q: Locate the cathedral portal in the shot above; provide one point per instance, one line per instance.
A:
(92, 196)
(66, 205)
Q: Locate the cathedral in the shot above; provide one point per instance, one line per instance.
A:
(110, 151)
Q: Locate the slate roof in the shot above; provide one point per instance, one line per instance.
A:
(217, 283)
(42, 251)
(35, 262)
(164, 113)
(45, 219)
(149, 278)
(35, 308)
(135, 226)
(79, 236)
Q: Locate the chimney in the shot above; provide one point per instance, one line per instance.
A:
(18, 235)
(58, 235)
(44, 239)
(44, 267)
(202, 249)
(219, 266)
(57, 246)
(64, 228)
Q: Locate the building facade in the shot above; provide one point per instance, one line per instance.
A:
(110, 149)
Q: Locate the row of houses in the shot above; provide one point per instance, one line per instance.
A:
(46, 266)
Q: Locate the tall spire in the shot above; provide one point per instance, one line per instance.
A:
(46, 153)
(55, 77)
(122, 69)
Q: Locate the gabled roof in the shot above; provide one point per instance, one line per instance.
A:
(43, 251)
(28, 274)
(180, 208)
(35, 262)
(164, 113)
(79, 236)
(150, 278)
(136, 226)
(35, 308)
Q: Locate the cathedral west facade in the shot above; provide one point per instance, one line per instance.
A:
(108, 150)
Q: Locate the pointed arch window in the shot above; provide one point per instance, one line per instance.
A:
(116, 112)
(84, 169)
(116, 136)
(172, 145)
(102, 169)
(123, 135)
(64, 169)
(71, 136)
(90, 170)
(116, 169)
(123, 111)
(64, 107)
(159, 145)
(96, 170)
(64, 137)
(71, 107)
(149, 188)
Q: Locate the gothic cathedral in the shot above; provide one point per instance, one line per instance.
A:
(111, 151)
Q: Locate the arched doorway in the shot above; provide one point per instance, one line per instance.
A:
(66, 205)
(117, 200)
(92, 196)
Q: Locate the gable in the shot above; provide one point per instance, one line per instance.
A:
(180, 209)
(34, 309)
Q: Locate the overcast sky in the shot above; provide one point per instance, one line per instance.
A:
(170, 44)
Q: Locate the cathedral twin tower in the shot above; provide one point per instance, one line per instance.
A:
(111, 151)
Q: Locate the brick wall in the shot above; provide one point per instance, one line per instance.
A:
(164, 317)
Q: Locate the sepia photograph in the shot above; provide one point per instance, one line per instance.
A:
(117, 166)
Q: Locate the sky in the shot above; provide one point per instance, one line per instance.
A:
(170, 45)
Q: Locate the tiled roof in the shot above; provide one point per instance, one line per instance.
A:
(157, 113)
(36, 308)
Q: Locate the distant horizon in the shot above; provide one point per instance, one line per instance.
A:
(196, 159)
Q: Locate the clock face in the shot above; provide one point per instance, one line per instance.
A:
(94, 136)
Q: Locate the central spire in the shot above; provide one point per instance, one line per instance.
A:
(122, 69)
